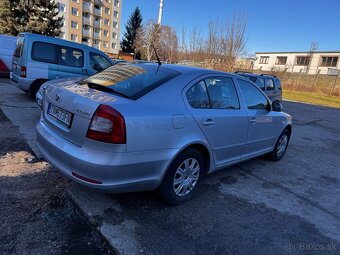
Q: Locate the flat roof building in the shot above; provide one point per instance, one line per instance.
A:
(311, 62)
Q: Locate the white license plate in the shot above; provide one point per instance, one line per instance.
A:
(63, 116)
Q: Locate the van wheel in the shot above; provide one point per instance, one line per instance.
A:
(280, 146)
(34, 88)
(183, 177)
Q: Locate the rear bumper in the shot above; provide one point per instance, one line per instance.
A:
(21, 83)
(116, 172)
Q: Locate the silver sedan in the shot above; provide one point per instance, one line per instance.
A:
(146, 126)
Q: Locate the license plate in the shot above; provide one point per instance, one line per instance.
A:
(61, 115)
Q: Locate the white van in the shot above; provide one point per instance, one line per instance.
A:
(7, 46)
(38, 59)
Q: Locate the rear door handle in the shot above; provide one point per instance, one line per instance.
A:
(252, 121)
(208, 122)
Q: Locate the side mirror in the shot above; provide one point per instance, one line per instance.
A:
(277, 106)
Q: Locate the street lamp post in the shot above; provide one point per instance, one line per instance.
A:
(160, 14)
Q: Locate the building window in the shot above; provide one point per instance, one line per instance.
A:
(302, 61)
(74, 24)
(74, 11)
(114, 46)
(75, 1)
(62, 35)
(106, 33)
(114, 35)
(74, 37)
(329, 61)
(281, 60)
(108, 1)
(115, 24)
(61, 7)
(105, 44)
(115, 14)
(264, 60)
(117, 3)
(63, 23)
(106, 22)
(107, 10)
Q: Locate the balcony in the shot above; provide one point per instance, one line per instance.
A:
(97, 12)
(86, 7)
(86, 32)
(96, 23)
(96, 35)
(87, 20)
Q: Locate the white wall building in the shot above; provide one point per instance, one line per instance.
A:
(324, 62)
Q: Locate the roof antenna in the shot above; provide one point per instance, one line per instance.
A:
(159, 62)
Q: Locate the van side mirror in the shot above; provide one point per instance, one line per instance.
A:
(277, 106)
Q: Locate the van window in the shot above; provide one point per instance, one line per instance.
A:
(98, 62)
(44, 52)
(71, 57)
(19, 46)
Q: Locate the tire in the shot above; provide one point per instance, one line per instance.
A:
(34, 88)
(279, 151)
(188, 179)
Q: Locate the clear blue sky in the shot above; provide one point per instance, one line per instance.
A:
(272, 25)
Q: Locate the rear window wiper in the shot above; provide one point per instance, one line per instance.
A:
(97, 86)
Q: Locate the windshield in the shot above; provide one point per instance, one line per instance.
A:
(134, 81)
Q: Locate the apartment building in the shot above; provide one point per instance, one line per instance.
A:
(322, 62)
(92, 22)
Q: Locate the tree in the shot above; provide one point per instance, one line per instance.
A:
(35, 16)
(133, 25)
(168, 44)
(148, 37)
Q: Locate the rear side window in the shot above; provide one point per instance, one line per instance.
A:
(253, 97)
(197, 96)
(134, 81)
(71, 57)
(260, 83)
(44, 52)
(270, 84)
(215, 93)
(98, 62)
(19, 46)
(278, 83)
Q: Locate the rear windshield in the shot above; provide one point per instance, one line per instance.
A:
(134, 81)
(19, 46)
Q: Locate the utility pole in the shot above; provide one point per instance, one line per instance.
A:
(160, 14)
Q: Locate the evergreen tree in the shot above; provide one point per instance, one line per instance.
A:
(35, 16)
(131, 28)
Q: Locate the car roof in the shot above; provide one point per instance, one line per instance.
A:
(256, 75)
(59, 41)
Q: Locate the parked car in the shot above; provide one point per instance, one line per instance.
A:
(38, 58)
(144, 126)
(270, 84)
(7, 45)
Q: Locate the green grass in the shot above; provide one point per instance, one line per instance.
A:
(312, 98)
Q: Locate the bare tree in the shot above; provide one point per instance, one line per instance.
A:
(148, 36)
(168, 43)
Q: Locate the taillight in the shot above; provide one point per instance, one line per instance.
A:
(23, 71)
(107, 125)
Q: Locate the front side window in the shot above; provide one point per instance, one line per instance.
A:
(44, 52)
(71, 57)
(270, 84)
(260, 83)
(254, 99)
(264, 60)
(214, 93)
(98, 62)
(133, 81)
